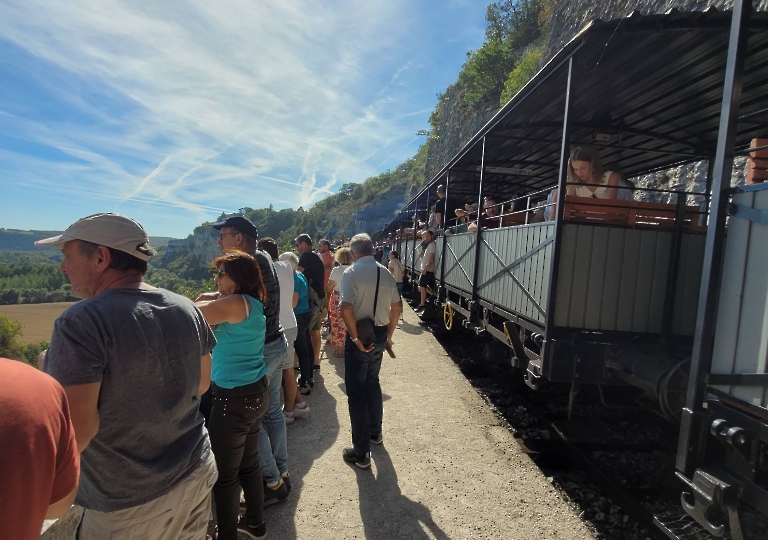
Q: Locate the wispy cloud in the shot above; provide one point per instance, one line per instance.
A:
(205, 105)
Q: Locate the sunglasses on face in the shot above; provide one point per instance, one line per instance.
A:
(222, 235)
(220, 273)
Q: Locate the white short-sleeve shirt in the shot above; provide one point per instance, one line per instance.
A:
(358, 287)
(284, 273)
(336, 276)
(431, 250)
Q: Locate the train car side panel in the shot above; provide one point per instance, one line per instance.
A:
(741, 339)
(512, 268)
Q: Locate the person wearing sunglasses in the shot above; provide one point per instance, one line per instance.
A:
(239, 391)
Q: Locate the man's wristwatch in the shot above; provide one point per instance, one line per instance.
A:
(355, 340)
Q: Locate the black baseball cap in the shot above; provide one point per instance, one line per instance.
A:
(240, 224)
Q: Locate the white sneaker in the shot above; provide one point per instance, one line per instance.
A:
(298, 413)
(288, 419)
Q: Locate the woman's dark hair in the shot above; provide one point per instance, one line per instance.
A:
(395, 254)
(243, 269)
(269, 246)
(118, 260)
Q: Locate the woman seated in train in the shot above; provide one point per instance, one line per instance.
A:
(586, 168)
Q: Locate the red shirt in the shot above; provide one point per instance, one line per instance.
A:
(39, 463)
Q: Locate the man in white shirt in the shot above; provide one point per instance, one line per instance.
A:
(368, 292)
(427, 267)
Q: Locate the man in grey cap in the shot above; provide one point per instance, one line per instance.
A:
(133, 361)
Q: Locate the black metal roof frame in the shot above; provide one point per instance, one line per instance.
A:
(653, 83)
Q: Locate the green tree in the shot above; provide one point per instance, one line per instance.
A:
(524, 71)
(10, 332)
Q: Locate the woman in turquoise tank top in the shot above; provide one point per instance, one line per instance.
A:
(239, 391)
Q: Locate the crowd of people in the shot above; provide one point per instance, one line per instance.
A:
(148, 406)
(586, 178)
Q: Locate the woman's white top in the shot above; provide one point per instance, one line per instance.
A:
(336, 276)
(600, 193)
(284, 273)
(624, 193)
(396, 267)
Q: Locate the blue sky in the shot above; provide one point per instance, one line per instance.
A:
(172, 112)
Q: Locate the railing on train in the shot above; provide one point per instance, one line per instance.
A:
(527, 249)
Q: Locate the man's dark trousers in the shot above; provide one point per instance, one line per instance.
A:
(361, 377)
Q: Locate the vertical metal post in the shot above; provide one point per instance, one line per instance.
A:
(442, 290)
(561, 188)
(708, 192)
(478, 234)
(706, 316)
(428, 209)
(527, 208)
(673, 267)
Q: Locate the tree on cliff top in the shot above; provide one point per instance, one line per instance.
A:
(513, 26)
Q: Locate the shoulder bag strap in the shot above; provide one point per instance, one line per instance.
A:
(376, 296)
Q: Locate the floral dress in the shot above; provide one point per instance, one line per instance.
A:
(338, 330)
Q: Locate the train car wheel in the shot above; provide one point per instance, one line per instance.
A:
(448, 318)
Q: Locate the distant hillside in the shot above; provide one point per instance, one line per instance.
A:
(16, 239)
(23, 240)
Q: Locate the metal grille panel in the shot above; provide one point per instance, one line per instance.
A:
(460, 261)
(514, 268)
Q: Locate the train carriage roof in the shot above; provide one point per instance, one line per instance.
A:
(646, 90)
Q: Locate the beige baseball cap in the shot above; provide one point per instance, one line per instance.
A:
(111, 230)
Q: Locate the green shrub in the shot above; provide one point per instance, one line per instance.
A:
(10, 332)
(524, 71)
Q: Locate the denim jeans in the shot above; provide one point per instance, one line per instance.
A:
(273, 447)
(304, 348)
(361, 377)
(234, 431)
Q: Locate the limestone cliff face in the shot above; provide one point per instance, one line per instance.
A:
(177, 249)
(205, 246)
(569, 17)
(457, 126)
(201, 243)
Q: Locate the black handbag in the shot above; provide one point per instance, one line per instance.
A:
(366, 328)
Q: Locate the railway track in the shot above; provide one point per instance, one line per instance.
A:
(615, 464)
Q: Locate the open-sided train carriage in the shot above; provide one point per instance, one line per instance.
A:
(610, 291)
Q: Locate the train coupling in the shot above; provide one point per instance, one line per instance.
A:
(710, 496)
(469, 325)
(532, 376)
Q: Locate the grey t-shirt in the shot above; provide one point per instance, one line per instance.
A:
(144, 346)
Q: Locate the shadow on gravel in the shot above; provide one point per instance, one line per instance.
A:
(308, 439)
(412, 329)
(386, 513)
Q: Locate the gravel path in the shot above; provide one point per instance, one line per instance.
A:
(447, 468)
